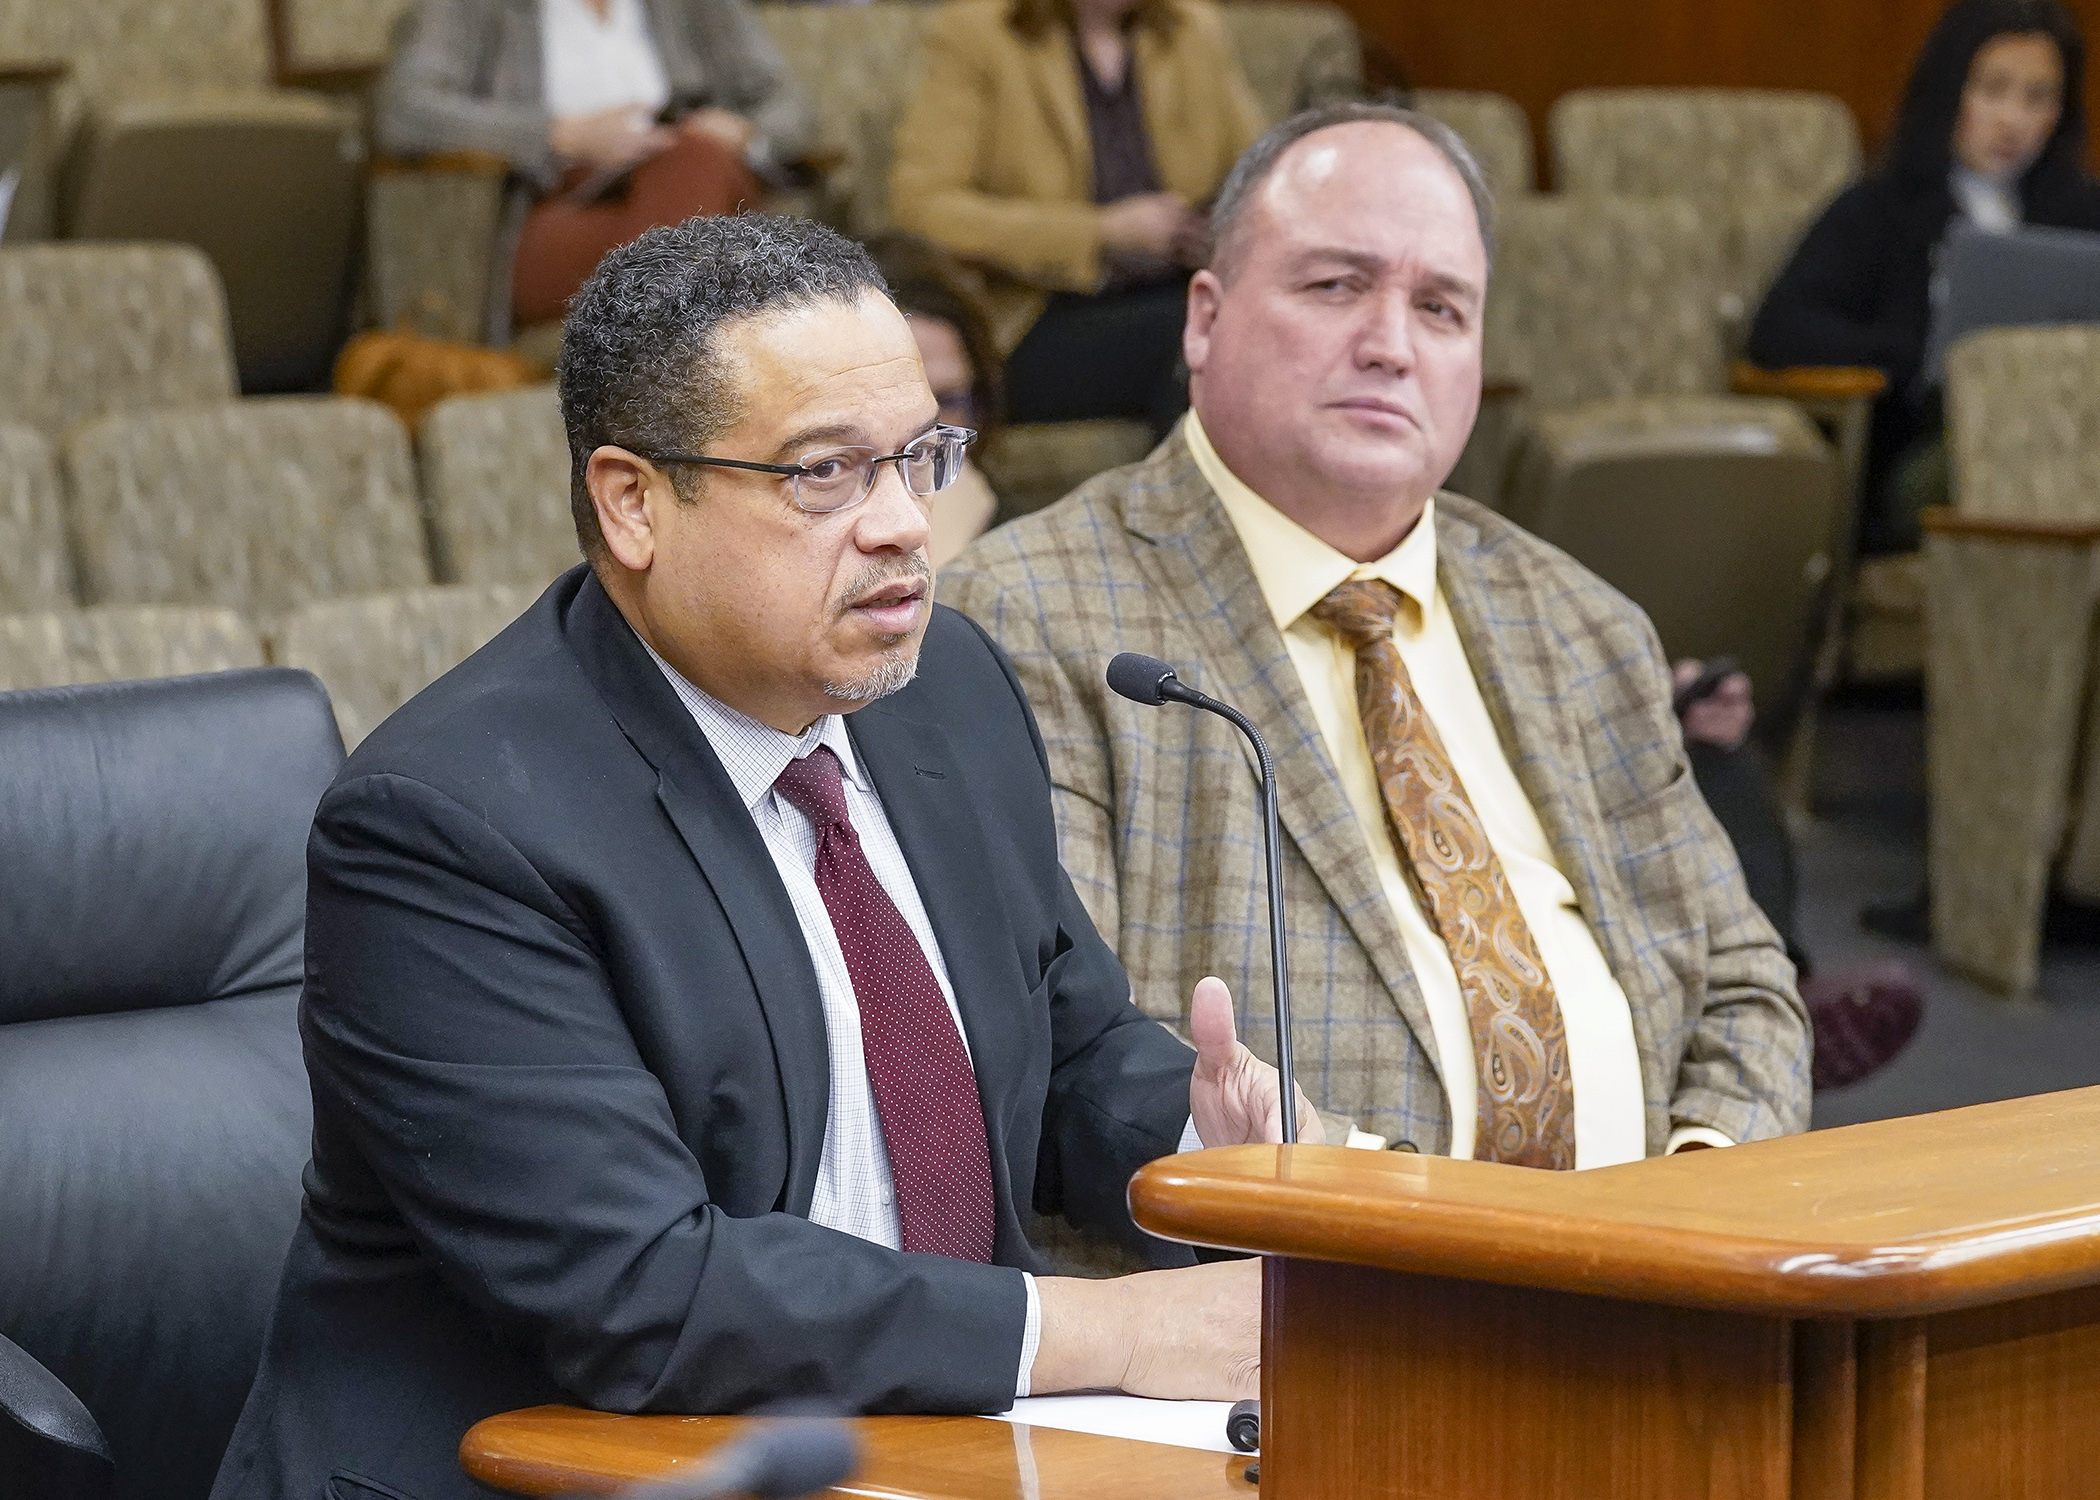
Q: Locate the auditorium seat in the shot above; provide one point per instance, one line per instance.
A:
(1702, 143)
(1602, 302)
(266, 184)
(1713, 513)
(376, 652)
(495, 473)
(259, 505)
(88, 330)
(2012, 585)
(157, 1117)
(1036, 464)
(175, 130)
(115, 643)
(35, 572)
(1494, 127)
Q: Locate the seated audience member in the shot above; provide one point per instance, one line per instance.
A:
(1862, 1015)
(962, 366)
(695, 1004)
(1992, 130)
(1517, 932)
(615, 115)
(1061, 146)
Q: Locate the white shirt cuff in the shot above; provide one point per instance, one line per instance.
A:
(1705, 1135)
(1190, 1141)
(1031, 1336)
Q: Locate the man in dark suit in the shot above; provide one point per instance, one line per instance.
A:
(679, 1042)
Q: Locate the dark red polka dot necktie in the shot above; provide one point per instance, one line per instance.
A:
(925, 1091)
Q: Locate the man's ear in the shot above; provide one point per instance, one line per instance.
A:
(1205, 294)
(619, 483)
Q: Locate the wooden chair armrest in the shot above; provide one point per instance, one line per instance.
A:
(328, 78)
(1501, 390)
(47, 71)
(1807, 382)
(1944, 520)
(466, 163)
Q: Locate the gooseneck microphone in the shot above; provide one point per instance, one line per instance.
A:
(1150, 681)
(781, 1460)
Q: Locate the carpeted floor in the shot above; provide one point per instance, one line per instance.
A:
(1868, 842)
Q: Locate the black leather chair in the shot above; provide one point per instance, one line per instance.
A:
(154, 1115)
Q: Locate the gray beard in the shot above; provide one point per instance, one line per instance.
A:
(895, 673)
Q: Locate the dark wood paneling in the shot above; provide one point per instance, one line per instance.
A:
(1537, 50)
(2012, 1400)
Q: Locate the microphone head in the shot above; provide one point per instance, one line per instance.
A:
(800, 1458)
(1141, 679)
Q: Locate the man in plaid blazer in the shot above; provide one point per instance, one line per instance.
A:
(1334, 350)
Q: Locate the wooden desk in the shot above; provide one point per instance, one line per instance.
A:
(1906, 1310)
(550, 1450)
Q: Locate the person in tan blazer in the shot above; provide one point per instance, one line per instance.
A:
(1063, 148)
(1334, 347)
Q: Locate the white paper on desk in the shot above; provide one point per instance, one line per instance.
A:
(1184, 1424)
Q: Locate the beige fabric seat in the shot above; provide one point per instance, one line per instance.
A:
(1712, 513)
(259, 505)
(55, 648)
(496, 485)
(35, 571)
(2012, 585)
(1038, 464)
(89, 330)
(1496, 129)
(1764, 162)
(1717, 514)
(267, 185)
(375, 653)
(172, 128)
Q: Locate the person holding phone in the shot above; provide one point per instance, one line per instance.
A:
(614, 115)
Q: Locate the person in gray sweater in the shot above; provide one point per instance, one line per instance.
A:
(613, 116)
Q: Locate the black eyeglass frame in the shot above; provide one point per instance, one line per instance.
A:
(964, 436)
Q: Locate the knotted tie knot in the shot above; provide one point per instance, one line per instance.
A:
(1361, 613)
(813, 784)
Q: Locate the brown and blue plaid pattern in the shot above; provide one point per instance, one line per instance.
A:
(1159, 820)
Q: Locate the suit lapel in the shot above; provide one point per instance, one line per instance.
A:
(1497, 611)
(702, 803)
(1198, 562)
(926, 798)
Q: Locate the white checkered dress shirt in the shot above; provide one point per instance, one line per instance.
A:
(855, 1191)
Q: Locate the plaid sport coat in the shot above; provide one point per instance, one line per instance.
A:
(1159, 817)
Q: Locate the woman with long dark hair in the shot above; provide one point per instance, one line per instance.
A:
(1992, 130)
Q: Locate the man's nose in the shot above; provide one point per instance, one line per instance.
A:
(892, 517)
(1386, 340)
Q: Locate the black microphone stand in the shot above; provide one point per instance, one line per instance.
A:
(1148, 680)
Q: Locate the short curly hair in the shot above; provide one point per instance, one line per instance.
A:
(640, 368)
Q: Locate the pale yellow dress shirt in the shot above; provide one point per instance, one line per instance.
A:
(1295, 570)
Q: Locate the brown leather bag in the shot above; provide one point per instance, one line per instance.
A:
(412, 373)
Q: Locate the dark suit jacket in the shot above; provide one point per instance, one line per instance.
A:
(570, 1071)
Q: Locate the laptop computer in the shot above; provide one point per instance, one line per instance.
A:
(2030, 276)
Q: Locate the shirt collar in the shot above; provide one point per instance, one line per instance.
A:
(755, 754)
(1294, 568)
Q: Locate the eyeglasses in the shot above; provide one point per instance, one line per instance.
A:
(836, 479)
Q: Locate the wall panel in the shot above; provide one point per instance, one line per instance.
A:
(1537, 50)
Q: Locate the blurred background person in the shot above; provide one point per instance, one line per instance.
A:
(962, 367)
(1992, 129)
(1065, 148)
(614, 115)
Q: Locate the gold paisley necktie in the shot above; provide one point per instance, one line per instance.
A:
(1526, 1095)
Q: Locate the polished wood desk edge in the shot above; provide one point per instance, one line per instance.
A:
(1945, 520)
(558, 1450)
(1894, 1218)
